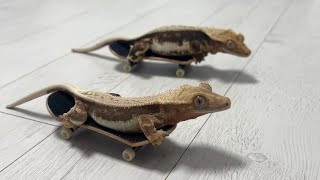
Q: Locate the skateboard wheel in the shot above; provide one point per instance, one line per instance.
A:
(180, 72)
(127, 67)
(128, 154)
(65, 133)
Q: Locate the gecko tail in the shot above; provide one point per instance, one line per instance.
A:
(42, 92)
(97, 45)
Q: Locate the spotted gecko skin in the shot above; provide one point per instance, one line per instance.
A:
(140, 114)
(197, 42)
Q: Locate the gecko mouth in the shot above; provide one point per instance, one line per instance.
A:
(223, 107)
(245, 54)
(205, 111)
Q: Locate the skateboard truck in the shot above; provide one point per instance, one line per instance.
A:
(128, 154)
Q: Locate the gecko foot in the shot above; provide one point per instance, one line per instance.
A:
(157, 138)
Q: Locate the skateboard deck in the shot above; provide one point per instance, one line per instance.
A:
(61, 102)
(121, 49)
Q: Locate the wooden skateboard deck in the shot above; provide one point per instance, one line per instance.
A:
(121, 49)
(61, 102)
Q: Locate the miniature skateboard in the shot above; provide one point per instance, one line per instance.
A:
(121, 49)
(61, 102)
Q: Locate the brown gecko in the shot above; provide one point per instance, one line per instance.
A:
(142, 114)
(181, 41)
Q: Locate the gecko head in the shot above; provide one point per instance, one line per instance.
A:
(196, 101)
(235, 45)
(229, 42)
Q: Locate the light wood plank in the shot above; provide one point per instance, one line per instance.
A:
(18, 135)
(103, 158)
(72, 151)
(271, 131)
(22, 56)
(92, 72)
(34, 16)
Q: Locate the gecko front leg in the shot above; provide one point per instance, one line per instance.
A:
(199, 57)
(138, 50)
(146, 123)
(76, 116)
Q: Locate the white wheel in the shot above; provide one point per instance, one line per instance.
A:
(128, 154)
(65, 133)
(180, 72)
(127, 67)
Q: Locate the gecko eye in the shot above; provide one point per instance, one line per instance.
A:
(230, 44)
(199, 101)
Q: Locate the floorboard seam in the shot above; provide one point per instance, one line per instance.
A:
(237, 76)
(63, 177)
(49, 27)
(29, 119)
(28, 151)
(271, 29)
(56, 59)
(99, 37)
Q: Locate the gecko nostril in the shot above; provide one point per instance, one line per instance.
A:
(248, 52)
(228, 103)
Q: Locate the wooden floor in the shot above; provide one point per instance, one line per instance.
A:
(271, 131)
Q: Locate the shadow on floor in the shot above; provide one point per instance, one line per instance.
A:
(162, 158)
(148, 69)
(199, 72)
